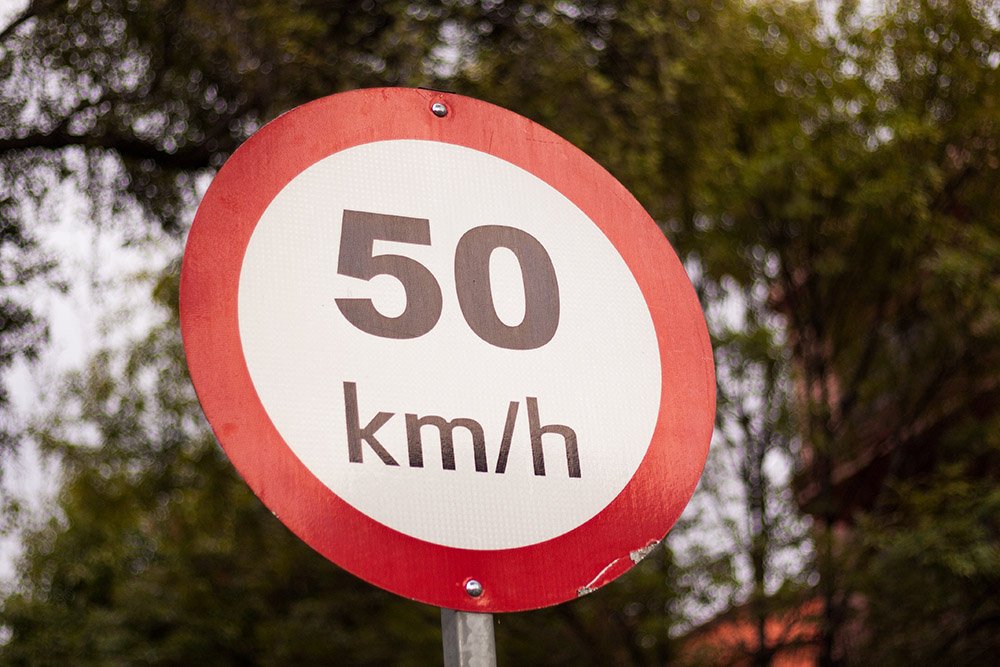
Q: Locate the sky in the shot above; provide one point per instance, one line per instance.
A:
(106, 304)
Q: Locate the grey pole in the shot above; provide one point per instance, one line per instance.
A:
(468, 639)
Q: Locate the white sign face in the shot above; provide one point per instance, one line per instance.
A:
(394, 380)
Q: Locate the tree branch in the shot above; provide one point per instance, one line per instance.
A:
(188, 158)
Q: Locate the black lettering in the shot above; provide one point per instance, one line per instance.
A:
(508, 435)
(359, 232)
(475, 292)
(445, 429)
(537, 431)
(356, 435)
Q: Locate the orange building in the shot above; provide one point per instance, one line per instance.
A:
(733, 638)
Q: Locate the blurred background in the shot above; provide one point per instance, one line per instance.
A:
(829, 171)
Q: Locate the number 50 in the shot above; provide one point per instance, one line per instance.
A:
(472, 280)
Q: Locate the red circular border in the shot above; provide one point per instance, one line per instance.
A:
(528, 577)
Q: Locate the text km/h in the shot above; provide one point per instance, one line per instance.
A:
(358, 436)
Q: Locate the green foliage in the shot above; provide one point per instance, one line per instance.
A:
(932, 577)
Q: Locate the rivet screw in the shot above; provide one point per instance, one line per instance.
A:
(440, 110)
(473, 588)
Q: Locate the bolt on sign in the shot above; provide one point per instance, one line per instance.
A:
(447, 349)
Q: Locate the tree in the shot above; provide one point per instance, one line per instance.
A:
(931, 564)
(744, 547)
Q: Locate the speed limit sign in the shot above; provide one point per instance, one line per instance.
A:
(444, 346)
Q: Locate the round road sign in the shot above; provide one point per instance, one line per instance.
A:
(443, 345)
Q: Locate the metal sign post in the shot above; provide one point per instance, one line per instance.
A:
(468, 639)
